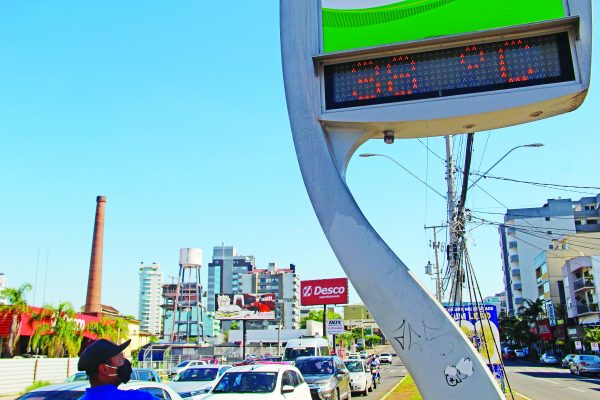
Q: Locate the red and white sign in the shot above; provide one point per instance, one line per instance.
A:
(324, 291)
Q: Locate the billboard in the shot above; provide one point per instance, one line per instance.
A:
(245, 306)
(353, 24)
(324, 291)
(480, 324)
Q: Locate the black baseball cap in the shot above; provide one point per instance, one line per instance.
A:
(98, 353)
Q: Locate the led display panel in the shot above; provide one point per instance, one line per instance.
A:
(355, 24)
(467, 69)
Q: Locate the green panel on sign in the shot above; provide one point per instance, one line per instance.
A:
(410, 20)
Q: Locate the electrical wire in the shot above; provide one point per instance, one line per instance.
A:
(542, 184)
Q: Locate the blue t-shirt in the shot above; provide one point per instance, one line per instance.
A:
(112, 392)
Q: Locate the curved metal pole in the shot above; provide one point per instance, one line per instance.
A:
(437, 354)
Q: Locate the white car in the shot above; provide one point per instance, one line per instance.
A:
(195, 382)
(353, 356)
(184, 364)
(261, 382)
(74, 390)
(360, 377)
(385, 358)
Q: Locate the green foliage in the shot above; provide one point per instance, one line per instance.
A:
(517, 329)
(36, 385)
(592, 335)
(347, 338)
(55, 331)
(17, 306)
(116, 329)
(235, 325)
(372, 340)
(317, 315)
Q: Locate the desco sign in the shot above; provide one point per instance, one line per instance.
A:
(324, 291)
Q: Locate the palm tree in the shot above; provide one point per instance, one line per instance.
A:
(592, 335)
(55, 331)
(116, 329)
(17, 306)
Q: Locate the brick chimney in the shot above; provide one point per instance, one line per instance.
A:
(94, 290)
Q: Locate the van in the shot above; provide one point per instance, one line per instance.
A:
(305, 347)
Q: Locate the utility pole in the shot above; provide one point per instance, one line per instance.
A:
(452, 234)
(436, 246)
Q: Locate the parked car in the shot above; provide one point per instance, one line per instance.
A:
(74, 390)
(385, 358)
(353, 355)
(360, 376)
(585, 364)
(197, 380)
(183, 365)
(77, 377)
(363, 354)
(509, 355)
(261, 381)
(327, 377)
(549, 358)
(519, 353)
(567, 360)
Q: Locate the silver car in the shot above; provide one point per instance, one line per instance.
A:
(585, 364)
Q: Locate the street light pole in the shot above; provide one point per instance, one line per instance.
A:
(502, 158)
(404, 168)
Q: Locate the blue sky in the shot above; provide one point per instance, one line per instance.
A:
(176, 112)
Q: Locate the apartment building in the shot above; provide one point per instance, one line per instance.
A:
(150, 298)
(527, 232)
(581, 276)
(285, 283)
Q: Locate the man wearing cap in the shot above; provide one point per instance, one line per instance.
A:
(106, 367)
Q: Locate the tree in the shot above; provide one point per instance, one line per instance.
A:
(347, 338)
(17, 306)
(592, 335)
(115, 329)
(372, 340)
(55, 331)
(317, 315)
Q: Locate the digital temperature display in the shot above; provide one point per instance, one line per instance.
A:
(467, 69)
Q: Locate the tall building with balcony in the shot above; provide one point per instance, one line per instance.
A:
(285, 283)
(528, 231)
(224, 272)
(581, 276)
(150, 298)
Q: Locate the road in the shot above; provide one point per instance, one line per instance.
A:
(391, 374)
(550, 383)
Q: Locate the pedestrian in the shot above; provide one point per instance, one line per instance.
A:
(107, 368)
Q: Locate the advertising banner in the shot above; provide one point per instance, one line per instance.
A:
(324, 291)
(245, 306)
(335, 326)
(544, 331)
(354, 24)
(480, 324)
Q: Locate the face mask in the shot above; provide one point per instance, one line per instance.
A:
(123, 372)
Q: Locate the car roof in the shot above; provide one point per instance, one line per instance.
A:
(316, 358)
(260, 368)
(79, 386)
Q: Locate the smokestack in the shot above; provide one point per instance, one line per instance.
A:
(92, 301)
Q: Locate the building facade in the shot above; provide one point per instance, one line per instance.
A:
(224, 273)
(580, 277)
(527, 232)
(150, 299)
(285, 283)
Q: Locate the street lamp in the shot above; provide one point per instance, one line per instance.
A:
(502, 158)
(404, 168)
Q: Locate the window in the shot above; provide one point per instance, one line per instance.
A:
(577, 222)
(591, 221)
(296, 378)
(157, 392)
(547, 218)
(549, 232)
(551, 246)
(287, 379)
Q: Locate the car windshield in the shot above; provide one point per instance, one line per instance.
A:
(292, 354)
(53, 395)
(315, 367)
(590, 358)
(247, 382)
(183, 363)
(197, 374)
(354, 366)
